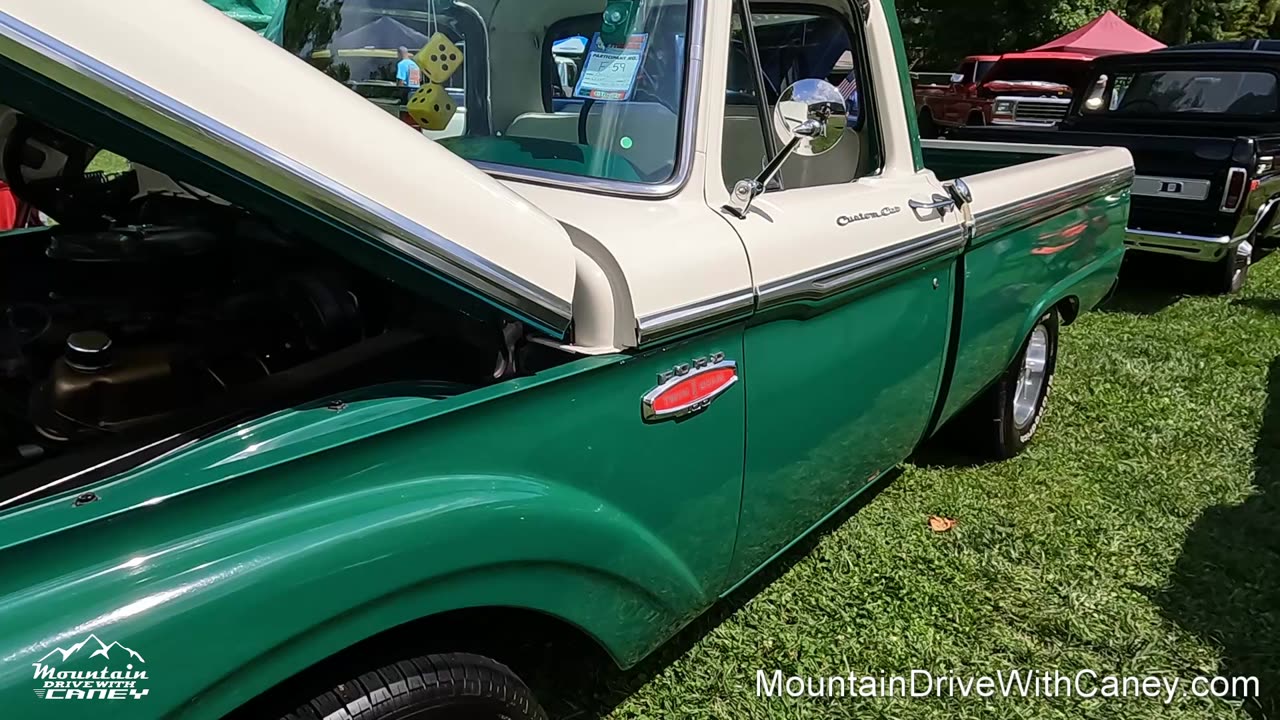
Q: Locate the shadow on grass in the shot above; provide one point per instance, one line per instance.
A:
(1271, 305)
(949, 448)
(1149, 284)
(1225, 586)
(594, 687)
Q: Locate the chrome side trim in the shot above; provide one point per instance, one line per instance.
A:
(688, 136)
(299, 182)
(1047, 204)
(668, 323)
(839, 277)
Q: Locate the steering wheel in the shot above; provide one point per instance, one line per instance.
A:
(583, 115)
(1139, 101)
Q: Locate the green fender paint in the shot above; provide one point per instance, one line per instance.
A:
(306, 531)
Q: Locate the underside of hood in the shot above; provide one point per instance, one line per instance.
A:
(217, 106)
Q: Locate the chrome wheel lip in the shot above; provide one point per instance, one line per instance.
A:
(1031, 377)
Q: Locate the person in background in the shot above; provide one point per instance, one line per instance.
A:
(408, 74)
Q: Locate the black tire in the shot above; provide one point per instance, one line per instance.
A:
(928, 128)
(1230, 274)
(456, 686)
(976, 119)
(996, 428)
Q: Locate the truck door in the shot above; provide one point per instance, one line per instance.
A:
(844, 357)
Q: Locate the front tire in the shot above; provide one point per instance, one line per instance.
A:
(456, 686)
(1007, 415)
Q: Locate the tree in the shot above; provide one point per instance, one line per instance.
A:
(940, 32)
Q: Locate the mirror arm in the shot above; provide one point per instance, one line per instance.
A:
(746, 191)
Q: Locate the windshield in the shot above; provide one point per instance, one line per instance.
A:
(1062, 72)
(579, 87)
(1174, 92)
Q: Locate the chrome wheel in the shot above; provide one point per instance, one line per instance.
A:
(1031, 377)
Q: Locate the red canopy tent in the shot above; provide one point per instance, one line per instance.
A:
(1109, 34)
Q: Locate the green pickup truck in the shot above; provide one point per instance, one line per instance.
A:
(306, 407)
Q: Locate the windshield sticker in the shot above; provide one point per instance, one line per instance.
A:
(610, 71)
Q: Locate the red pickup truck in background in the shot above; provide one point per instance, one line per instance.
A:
(1028, 89)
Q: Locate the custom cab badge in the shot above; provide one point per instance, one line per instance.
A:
(688, 388)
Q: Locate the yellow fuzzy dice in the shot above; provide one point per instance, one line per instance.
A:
(432, 107)
(439, 58)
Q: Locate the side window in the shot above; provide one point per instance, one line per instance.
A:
(745, 151)
(790, 44)
(379, 51)
(966, 72)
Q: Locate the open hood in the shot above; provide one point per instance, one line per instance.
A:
(193, 93)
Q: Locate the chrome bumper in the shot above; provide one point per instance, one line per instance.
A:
(1203, 247)
(1192, 247)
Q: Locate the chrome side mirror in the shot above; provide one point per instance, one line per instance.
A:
(811, 116)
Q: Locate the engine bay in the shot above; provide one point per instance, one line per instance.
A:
(147, 307)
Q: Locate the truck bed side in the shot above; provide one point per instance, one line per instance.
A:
(1048, 231)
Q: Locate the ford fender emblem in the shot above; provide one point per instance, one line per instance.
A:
(688, 388)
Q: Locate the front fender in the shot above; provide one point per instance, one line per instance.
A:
(269, 595)
(252, 555)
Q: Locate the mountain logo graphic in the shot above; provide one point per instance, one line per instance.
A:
(97, 648)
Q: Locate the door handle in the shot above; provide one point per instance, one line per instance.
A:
(939, 203)
(959, 196)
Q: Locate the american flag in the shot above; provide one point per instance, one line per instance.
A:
(849, 86)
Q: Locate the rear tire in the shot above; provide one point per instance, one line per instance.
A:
(1004, 419)
(928, 128)
(1230, 274)
(456, 686)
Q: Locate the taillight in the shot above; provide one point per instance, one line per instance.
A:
(1237, 188)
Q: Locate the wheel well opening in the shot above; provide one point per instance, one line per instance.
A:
(1069, 310)
(977, 118)
(550, 655)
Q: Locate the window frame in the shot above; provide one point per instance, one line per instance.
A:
(867, 105)
(1114, 73)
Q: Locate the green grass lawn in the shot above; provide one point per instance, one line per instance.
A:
(1139, 535)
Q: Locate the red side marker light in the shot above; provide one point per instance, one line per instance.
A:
(688, 389)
